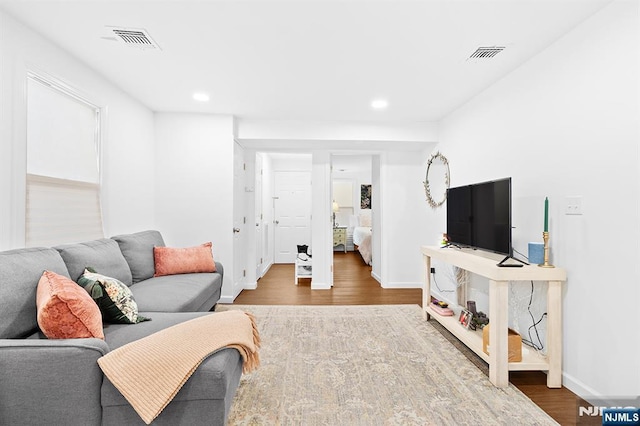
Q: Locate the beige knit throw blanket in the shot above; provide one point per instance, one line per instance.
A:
(149, 372)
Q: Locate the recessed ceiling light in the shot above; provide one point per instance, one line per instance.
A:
(379, 104)
(201, 97)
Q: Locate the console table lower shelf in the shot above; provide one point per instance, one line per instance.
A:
(531, 359)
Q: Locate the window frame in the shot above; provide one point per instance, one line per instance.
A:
(99, 113)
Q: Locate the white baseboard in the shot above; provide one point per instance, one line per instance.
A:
(251, 286)
(266, 268)
(396, 284)
(320, 286)
(403, 285)
(226, 300)
(579, 388)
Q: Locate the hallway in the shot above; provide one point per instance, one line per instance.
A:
(352, 285)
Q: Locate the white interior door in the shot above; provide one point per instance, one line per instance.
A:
(292, 213)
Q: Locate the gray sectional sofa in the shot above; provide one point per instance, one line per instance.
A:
(58, 381)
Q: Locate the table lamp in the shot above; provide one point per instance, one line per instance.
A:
(335, 208)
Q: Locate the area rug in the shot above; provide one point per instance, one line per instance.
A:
(367, 365)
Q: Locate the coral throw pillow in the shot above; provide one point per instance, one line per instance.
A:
(65, 310)
(113, 297)
(170, 261)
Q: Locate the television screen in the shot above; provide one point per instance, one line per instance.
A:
(459, 215)
(479, 216)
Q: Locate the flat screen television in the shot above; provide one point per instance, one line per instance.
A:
(479, 216)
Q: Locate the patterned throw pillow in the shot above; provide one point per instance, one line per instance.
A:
(64, 310)
(114, 298)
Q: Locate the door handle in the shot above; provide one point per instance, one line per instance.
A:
(236, 230)
(276, 222)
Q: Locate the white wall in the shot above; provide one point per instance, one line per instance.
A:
(194, 184)
(127, 151)
(566, 124)
(322, 223)
(276, 134)
(403, 218)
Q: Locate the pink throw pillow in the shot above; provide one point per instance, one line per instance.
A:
(171, 261)
(65, 310)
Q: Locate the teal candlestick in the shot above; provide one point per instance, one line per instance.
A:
(546, 214)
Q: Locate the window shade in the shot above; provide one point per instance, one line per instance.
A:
(63, 189)
(61, 211)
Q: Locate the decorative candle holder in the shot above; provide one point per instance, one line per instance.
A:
(545, 238)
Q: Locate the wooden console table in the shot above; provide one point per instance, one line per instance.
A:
(499, 279)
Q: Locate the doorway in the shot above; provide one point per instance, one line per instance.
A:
(351, 181)
(292, 213)
(285, 196)
(283, 207)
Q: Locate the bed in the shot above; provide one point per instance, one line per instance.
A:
(362, 240)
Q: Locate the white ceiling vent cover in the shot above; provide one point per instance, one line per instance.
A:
(486, 52)
(135, 37)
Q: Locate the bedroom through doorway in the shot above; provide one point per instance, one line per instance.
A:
(351, 204)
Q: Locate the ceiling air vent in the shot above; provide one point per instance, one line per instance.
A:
(486, 52)
(135, 37)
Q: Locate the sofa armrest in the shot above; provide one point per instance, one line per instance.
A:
(51, 381)
(220, 269)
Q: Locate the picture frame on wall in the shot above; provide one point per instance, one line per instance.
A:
(365, 196)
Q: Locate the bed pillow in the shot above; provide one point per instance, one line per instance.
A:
(171, 261)
(64, 310)
(113, 297)
(365, 220)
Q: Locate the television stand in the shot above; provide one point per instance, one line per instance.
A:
(499, 278)
(452, 245)
(502, 264)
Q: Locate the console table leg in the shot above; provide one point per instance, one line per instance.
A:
(426, 289)
(498, 318)
(554, 334)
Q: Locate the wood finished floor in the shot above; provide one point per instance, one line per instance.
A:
(353, 285)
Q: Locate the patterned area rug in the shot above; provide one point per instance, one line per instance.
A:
(367, 365)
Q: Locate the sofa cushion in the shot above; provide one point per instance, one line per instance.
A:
(20, 271)
(102, 255)
(116, 335)
(66, 311)
(115, 300)
(210, 381)
(177, 293)
(172, 261)
(137, 249)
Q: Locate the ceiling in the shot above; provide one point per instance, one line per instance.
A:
(306, 60)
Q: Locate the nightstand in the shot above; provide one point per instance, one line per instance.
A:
(340, 237)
